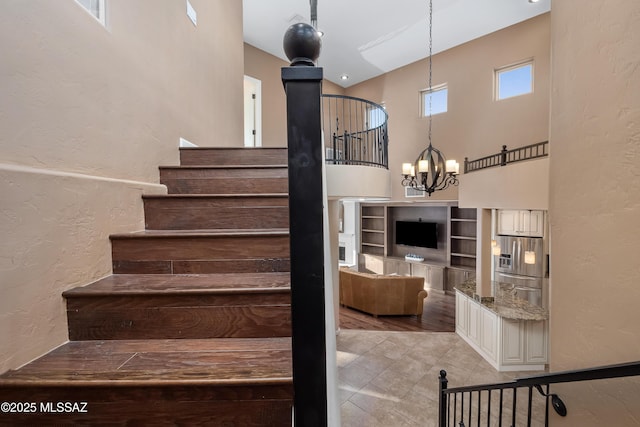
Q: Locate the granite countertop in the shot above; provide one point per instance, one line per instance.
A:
(504, 302)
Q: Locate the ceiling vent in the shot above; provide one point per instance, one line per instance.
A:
(414, 192)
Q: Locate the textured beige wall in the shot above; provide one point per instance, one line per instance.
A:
(475, 125)
(595, 204)
(522, 185)
(267, 68)
(87, 114)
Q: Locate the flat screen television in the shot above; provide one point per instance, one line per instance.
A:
(414, 233)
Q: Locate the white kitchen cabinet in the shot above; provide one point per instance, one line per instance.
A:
(524, 342)
(521, 222)
(489, 333)
(507, 344)
(536, 339)
(462, 313)
(512, 342)
(475, 322)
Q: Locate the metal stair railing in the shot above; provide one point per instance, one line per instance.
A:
(472, 404)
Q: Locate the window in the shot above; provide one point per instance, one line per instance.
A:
(376, 116)
(436, 98)
(514, 80)
(95, 8)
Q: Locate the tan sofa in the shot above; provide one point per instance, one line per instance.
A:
(382, 295)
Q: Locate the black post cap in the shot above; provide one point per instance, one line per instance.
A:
(302, 44)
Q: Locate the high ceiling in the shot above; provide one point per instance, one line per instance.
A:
(366, 38)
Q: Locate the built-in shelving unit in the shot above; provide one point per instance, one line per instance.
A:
(463, 237)
(373, 230)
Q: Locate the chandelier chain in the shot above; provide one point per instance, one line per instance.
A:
(431, 171)
(430, 65)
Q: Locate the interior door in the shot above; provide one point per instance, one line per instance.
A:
(252, 112)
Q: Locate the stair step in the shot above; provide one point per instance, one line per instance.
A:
(156, 306)
(231, 179)
(233, 156)
(200, 251)
(216, 211)
(234, 381)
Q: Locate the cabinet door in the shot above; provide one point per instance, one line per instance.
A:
(522, 223)
(475, 320)
(508, 222)
(390, 266)
(436, 277)
(461, 313)
(512, 342)
(421, 270)
(536, 338)
(489, 333)
(536, 224)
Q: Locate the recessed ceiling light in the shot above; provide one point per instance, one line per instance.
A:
(534, 1)
(344, 77)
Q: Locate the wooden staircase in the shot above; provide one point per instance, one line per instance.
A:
(194, 326)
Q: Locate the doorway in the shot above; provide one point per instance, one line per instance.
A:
(252, 112)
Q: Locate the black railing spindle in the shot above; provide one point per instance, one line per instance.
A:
(501, 406)
(530, 406)
(514, 407)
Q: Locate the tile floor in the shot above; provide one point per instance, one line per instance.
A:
(390, 379)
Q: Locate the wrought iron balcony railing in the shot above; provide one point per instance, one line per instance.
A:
(355, 131)
(504, 157)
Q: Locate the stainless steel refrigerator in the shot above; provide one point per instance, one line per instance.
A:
(523, 263)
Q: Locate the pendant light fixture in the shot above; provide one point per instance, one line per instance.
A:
(431, 171)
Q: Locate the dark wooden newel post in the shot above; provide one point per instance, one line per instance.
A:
(303, 86)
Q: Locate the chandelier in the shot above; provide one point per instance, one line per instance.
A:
(431, 171)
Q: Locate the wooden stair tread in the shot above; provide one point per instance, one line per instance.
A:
(202, 233)
(222, 167)
(221, 196)
(232, 148)
(221, 361)
(154, 284)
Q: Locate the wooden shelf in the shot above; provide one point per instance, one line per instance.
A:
(463, 255)
(373, 229)
(463, 237)
(375, 245)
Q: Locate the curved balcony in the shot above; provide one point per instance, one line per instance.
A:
(356, 143)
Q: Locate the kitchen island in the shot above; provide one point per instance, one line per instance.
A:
(506, 329)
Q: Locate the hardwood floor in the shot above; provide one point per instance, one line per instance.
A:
(439, 316)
